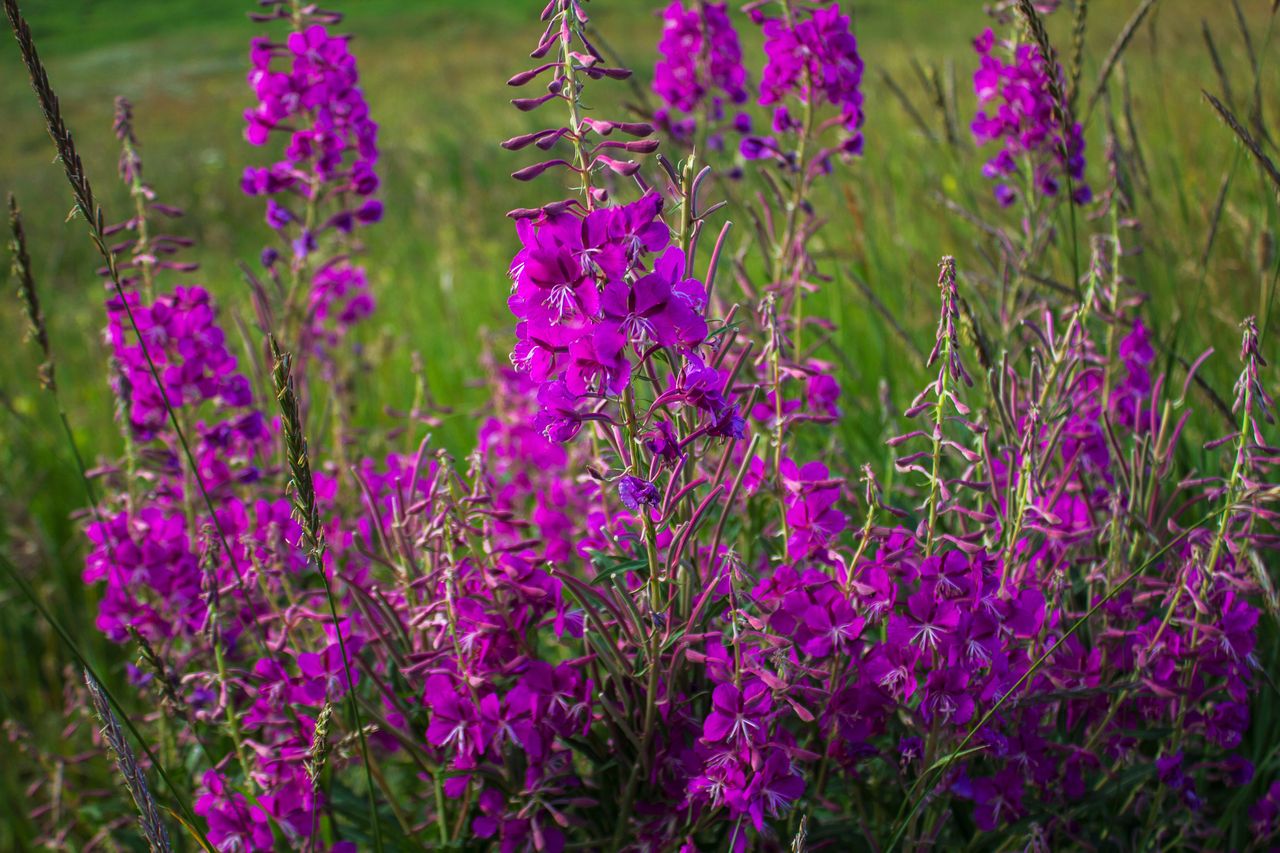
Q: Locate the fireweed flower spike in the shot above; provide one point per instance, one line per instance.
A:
(145, 546)
(940, 400)
(699, 75)
(811, 55)
(324, 188)
(145, 550)
(812, 82)
(1017, 109)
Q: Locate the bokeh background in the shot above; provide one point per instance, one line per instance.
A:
(434, 72)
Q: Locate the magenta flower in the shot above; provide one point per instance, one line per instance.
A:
(636, 492)
(830, 628)
(717, 783)
(152, 576)
(1025, 122)
(325, 673)
(947, 697)
(892, 668)
(815, 58)
(700, 59)
(736, 716)
(660, 307)
(558, 417)
(308, 94)
(552, 283)
(773, 789)
(457, 725)
(233, 823)
(600, 357)
(618, 239)
(929, 623)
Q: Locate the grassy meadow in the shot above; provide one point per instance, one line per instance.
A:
(434, 72)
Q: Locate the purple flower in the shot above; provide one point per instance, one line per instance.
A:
(773, 789)
(892, 668)
(718, 783)
(699, 55)
(810, 506)
(152, 577)
(456, 723)
(661, 307)
(618, 239)
(308, 94)
(553, 286)
(815, 57)
(947, 697)
(929, 623)
(233, 823)
(829, 627)
(1024, 119)
(558, 417)
(997, 799)
(736, 717)
(326, 672)
(1265, 811)
(600, 356)
(636, 492)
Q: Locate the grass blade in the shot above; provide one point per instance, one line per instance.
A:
(134, 779)
(1247, 139)
(1117, 50)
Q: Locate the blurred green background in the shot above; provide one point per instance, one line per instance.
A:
(434, 72)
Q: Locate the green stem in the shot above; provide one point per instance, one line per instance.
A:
(939, 417)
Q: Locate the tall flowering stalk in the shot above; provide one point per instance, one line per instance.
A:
(324, 187)
(1019, 109)
(699, 74)
(813, 64)
(944, 406)
(1026, 105)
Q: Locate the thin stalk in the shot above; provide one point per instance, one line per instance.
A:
(313, 542)
(939, 418)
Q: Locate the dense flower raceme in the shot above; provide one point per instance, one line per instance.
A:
(649, 612)
(699, 73)
(1017, 109)
(324, 188)
(812, 56)
(598, 290)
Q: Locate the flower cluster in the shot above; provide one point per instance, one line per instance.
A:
(598, 290)
(187, 348)
(813, 55)
(700, 68)
(307, 90)
(170, 366)
(1017, 108)
(586, 297)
